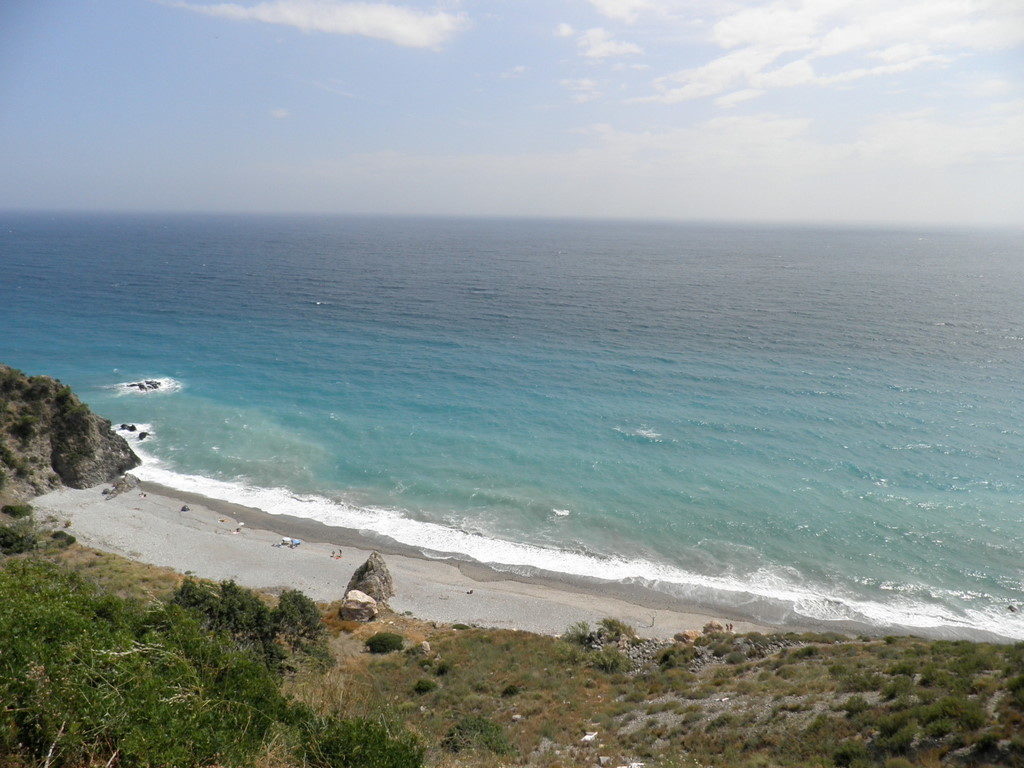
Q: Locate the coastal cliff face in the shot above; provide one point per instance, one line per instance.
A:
(49, 438)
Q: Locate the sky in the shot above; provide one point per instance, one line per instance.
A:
(817, 111)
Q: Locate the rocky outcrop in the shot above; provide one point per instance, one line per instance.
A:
(49, 438)
(357, 606)
(127, 483)
(373, 578)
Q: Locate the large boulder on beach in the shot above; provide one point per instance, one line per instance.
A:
(357, 606)
(713, 626)
(373, 578)
(688, 636)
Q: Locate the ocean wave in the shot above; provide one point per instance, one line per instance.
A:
(642, 432)
(164, 385)
(767, 595)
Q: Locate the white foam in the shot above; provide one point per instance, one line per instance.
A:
(562, 512)
(167, 386)
(773, 595)
(643, 432)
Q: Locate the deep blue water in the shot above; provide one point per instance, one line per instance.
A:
(796, 423)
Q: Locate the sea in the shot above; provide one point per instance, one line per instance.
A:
(807, 426)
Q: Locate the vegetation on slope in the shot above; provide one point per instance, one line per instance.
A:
(178, 672)
(87, 678)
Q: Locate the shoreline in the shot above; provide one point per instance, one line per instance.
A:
(153, 529)
(447, 589)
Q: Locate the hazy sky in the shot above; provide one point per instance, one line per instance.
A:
(814, 110)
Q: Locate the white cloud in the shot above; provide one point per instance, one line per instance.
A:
(762, 166)
(279, 114)
(564, 30)
(622, 10)
(583, 90)
(384, 21)
(517, 71)
(851, 33)
(730, 100)
(598, 43)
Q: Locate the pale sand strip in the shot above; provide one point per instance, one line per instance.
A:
(153, 529)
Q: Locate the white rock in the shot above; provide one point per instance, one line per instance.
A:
(358, 606)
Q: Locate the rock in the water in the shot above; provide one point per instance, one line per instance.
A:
(128, 427)
(357, 606)
(713, 626)
(373, 578)
(143, 435)
(126, 483)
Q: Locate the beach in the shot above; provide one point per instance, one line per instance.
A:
(147, 524)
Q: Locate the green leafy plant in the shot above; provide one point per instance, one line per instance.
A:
(384, 642)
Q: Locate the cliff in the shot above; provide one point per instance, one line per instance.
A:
(49, 438)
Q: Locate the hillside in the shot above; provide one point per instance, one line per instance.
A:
(49, 438)
(478, 698)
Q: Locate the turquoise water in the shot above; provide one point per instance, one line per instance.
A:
(796, 424)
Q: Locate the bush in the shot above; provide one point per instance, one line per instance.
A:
(19, 537)
(235, 611)
(615, 630)
(442, 668)
(99, 676)
(384, 642)
(578, 633)
(849, 752)
(676, 656)
(736, 657)
(424, 686)
(511, 690)
(609, 660)
(297, 619)
(62, 539)
(476, 732)
(331, 743)
(17, 510)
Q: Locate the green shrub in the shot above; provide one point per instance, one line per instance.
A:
(297, 619)
(17, 510)
(461, 626)
(676, 656)
(609, 660)
(97, 676)
(615, 630)
(899, 742)
(855, 705)
(19, 537)
(235, 611)
(849, 752)
(384, 642)
(424, 686)
(442, 668)
(24, 427)
(476, 732)
(736, 657)
(331, 743)
(62, 539)
(1016, 689)
(511, 690)
(578, 633)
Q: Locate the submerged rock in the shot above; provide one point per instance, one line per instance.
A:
(373, 578)
(357, 606)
